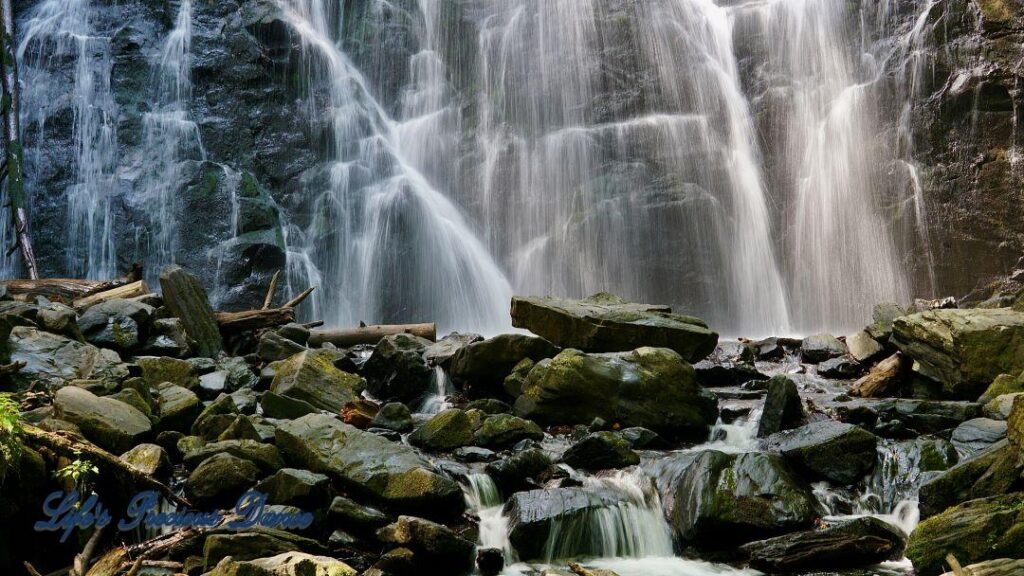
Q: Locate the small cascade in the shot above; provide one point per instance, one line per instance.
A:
(737, 437)
(437, 400)
(56, 31)
(890, 493)
(484, 500)
(171, 139)
(633, 528)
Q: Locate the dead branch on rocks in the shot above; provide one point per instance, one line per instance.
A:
(84, 558)
(265, 317)
(74, 448)
(132, 290)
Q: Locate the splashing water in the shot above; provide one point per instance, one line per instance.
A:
(484, 500)
(437, 400)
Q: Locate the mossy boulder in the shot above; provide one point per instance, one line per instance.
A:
(178, 407)
(159, 369)
(120, 324)
(607, 323)
(481, 367)
(718, 500)
(601, 451)
(649, 387)
(266, 456)
(990, 473)
(850, 544)
(964, 349)
(295, 487)
(391, 473)
(311, 377)
(1003, 384)
(503, 430)
(444, 431)
(983, 529)
(149, 459)
(110, 424)
(220, 480)
(394, 416)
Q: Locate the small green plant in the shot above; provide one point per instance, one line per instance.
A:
(79, 471)
(10, 433)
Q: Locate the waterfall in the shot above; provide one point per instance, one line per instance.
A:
(60, 29)
(437, 400)
(171, 138)
(386, 244)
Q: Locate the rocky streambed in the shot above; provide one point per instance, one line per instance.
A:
(605, 437)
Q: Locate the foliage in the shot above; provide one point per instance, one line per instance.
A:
(80, 472)
(10, 433)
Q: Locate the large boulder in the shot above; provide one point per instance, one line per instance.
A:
(297, 564)
(851, 544)
(964, 349)
(717, 500)
(397, 371)
(110, 424)
(48, 356)
(440, 353)
(977, 530)
(366, 463)
(649, 387)
(536, 515)
(782, 407)
(607, 323)
(835, 451)
(519, 471)
(1003, 384)
(311, 377)
(481, 367)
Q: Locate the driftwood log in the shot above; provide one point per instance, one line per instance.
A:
(67, 290)
(881, 379)
(347, 337)
(133, 290)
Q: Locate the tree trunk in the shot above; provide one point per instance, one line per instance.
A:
(12, 142)
(185, 297)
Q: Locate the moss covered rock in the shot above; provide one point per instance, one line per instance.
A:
(365, 463)
(311, 377)
(503, 430)
(111, 424)
(445, 430)
(649, 387)
(978, 530)
(964, 349)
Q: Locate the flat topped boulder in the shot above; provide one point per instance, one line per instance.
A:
(110, 424)
(966, 349)
(393, 473)
(607, 323)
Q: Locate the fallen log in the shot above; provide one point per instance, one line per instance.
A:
(74, 448)
(347, 337)
(132, 290)
(66, 290)
(232, 322)
(882, 379)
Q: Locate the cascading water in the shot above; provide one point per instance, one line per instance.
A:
(383, 240)
(171, 139)
(59, 29)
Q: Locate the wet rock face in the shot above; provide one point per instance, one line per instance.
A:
(719, 499)
(852, 543)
